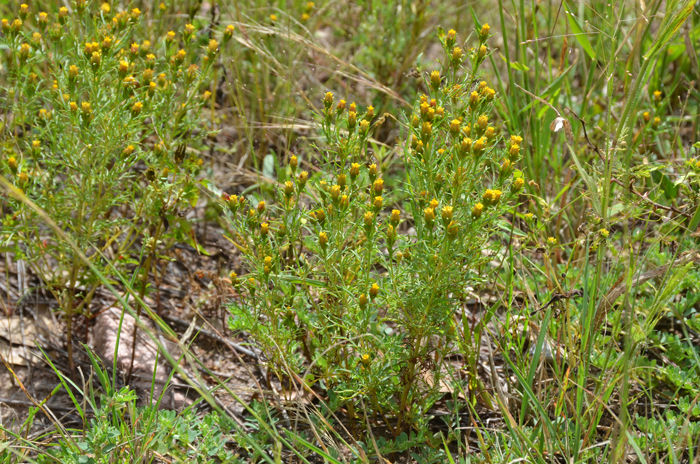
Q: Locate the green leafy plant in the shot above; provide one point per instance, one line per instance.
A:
(336, 281)
(97, 135)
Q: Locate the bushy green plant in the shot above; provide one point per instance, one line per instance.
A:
(96, 135)
(364, 294)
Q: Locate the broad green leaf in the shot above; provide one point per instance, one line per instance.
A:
(515, 64)
(581, 36)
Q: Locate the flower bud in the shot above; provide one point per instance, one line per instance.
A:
(473, 100)
(435, 80)
(106, 43)
(426, 131)
(320, 216)
(147, 76)
(261, 207)
(646, 116)
(513, 151)
(452, 230)
(518, 184)
(369, 115)
(228, 33)
(506, 167)
(491, 197)
(191, 73)
(390, 235)
(179, 57)
(378, 203)
(395, 217)
(369, 221)
(424, 109)
(23, 11)
(366, 360)
(373, 172)
(189, 30)
(96, 59)
(446, 215)
(12, 164)
(374, 291)
(212, 48)
(136, 109)
(43, 19)
(450, 38)
(328, 100)
(323, 239)
(288, 189)
(484, 34)
(457, 55)
(477, 210)
(454, 127)
(293, 163)
(335, 193)
(24, 52)
(364, 126)
(363, 301)
(301, 180)
(264, 229)
(483, 51)
(354, 171)
(352, 120)
(465, 146)
(429, 217)
(344, 202)
(378, 186)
